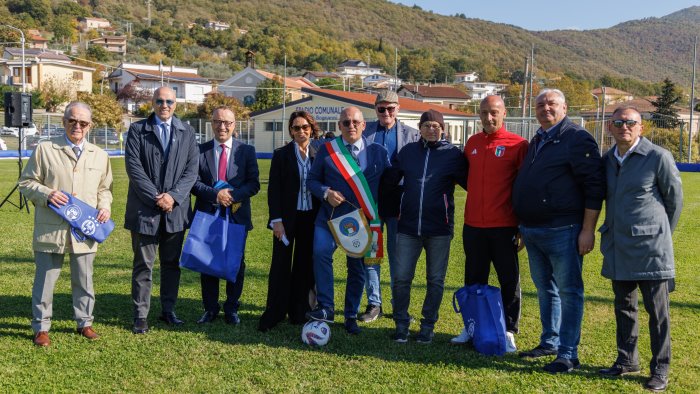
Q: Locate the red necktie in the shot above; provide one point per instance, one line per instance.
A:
(222, 163)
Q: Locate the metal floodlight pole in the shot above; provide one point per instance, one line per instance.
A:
(692, 103)
(597, 117)
(21, 41)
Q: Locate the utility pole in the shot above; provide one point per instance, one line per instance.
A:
(396, 68)
(532, 72)
(692, 103)
(148, 4)
(525, 77)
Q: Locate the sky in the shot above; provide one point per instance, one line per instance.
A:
(553, 15)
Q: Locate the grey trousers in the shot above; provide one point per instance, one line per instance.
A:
(48, 268)
(656, 303)
(169, 247)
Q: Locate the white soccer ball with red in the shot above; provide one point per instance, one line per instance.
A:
(315, 333)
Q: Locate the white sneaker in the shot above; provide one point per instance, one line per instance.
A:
(462, 338)
(510, 342)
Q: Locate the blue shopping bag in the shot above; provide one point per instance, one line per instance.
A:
(214, 245)
(481, 307)
(83, 219)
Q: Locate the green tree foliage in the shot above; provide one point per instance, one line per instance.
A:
(53, 93)
(214, 101)
(106, 111)
(329, 83)
(64, 29)
(39, 10)
(174, 50)
(666, 115)
(268, 94)
(670, 139)
(70, 8)
(97, 53)
(416, 65)
(577, 92)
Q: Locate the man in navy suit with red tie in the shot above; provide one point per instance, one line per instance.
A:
(231, 161)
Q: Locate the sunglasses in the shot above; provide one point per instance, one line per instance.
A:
(169, 103)
(630, 123)
(217, 123)
(347, 123)
(72, 122)
(305, 127)
(381, 110)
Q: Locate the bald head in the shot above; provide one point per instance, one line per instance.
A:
(351, 124)
(164, 103)
(492, 112)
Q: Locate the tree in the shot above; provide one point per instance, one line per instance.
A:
(106, 111)
(268, 94)
(133, 92)
(666, 115)
(69, 8)
(64, 29)
(53, 93)
(216, 100)
(329, 83)
(174, 50)
(40, 10)
(97, 53)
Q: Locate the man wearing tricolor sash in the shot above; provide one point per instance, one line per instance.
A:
(345, 175)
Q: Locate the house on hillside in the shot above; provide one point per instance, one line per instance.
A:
(242, 85)
(612, 95)
(189, 87)
(36, 40)
(217, 25)
(90, 23)
(465, 77)
(446, 96)
(381, 81)
(41, 67)
(314, 76)
(326, 104)
(356, 68)
(478, 90)
(113, 44)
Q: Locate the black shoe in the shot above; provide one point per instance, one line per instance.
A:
(140, 326)
(351, 326)
(539, 351)
(400, 336)
(425, 336)
(170, 318)
(562, 365)
(619, 370)
(371, 313)
(207, 317)
(232, 318)
(321, 314)
(656, 383)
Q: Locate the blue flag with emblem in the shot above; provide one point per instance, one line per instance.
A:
(83, 220)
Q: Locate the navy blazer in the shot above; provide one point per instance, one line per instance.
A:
(324, 174)
(242, 174)
(151, 173)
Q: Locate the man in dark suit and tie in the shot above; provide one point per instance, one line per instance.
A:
(161, 162)
(331, 183)
(225, 159)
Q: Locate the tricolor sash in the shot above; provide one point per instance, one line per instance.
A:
(351, 172)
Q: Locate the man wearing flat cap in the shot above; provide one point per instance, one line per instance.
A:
(429, 168)
(389, 132)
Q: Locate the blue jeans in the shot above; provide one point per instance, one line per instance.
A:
(324, 246)
(372, 272)
(437, 253)
(555, 267)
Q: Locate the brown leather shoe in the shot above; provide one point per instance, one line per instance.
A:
(41, 338)
(88, 332)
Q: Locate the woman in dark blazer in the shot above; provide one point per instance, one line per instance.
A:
(292, 213)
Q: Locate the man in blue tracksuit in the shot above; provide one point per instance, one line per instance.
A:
(429, 168)
(557, 197)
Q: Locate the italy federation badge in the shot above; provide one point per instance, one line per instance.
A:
(500, 150)
(351, 232)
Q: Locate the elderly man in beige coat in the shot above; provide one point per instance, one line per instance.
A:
(70, 164)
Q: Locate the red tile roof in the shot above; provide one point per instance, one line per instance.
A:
(292, 82)
(436, 91)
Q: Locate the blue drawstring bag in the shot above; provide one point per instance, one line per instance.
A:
(214, 245)
(83, 219)
(481, 307)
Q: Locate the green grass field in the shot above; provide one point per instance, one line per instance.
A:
(221, 358)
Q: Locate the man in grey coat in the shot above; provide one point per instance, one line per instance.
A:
(162, 160)
(393, 135)
(644, 201)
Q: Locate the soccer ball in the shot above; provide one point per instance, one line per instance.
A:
(315, 333)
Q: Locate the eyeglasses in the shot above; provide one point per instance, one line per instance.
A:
(433, 126)
(217, 123)
(305, 127)
(72, 122)
(630, 123)
(169, 103)
(381, 110)
(347, 123)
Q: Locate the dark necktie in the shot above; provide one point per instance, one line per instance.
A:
(222, 163)
(76, 150)
(351, 148)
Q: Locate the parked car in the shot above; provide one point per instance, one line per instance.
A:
(14, 131)
(34, 140)
(102, 137)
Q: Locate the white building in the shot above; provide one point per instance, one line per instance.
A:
(217, 25)
(89, 23)
(466, 77)
(41, 67)
(352, 68)
(447, 96)
(243, 84)
(381, 81)
(189, 87)
(478, 90)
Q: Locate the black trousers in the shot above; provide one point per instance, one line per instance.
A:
(656, 303)
(482, 246)
(210, 291)
(168, 246)
(291, 274)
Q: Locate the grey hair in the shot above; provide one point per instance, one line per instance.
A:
(546, 91)
(76, 104)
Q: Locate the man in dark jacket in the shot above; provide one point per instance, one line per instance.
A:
(161, 158)
(229, 160)
(557, 198)
(430, 168)
(393, 135)
(644, 201)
